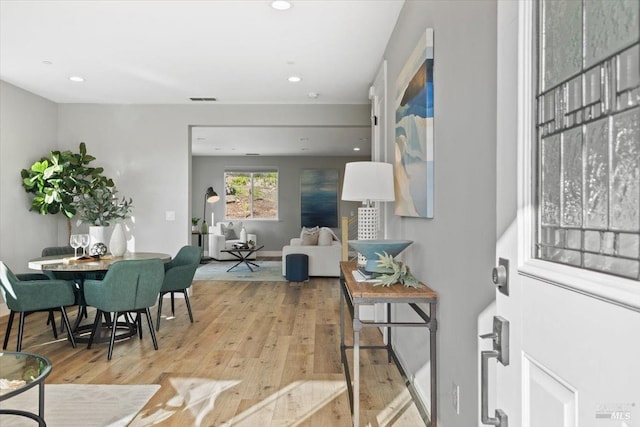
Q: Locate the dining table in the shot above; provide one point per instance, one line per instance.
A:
(88, 267)
(74, 264)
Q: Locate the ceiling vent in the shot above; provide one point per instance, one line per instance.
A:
(252, 154)
(203, 99)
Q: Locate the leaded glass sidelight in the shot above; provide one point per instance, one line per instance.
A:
(588, 134)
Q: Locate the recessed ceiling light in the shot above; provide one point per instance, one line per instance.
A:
(313, 95)
(76, 79)
(294, 79)
(356, 149)
(47, 62)
(281, 5)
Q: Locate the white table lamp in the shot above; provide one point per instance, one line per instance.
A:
(368, 182)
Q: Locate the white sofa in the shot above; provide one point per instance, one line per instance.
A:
(323, 260)
(217, 242)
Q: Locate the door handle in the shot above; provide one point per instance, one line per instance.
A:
(500, 337)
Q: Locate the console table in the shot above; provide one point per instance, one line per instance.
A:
(357, 293)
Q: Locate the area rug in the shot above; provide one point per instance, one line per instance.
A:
(268, 271)
(82, 405)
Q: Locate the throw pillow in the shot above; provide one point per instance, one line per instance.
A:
(228, 232)
(237, 227)
(325, 237)
(309, 236)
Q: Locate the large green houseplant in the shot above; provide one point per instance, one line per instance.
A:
(58, 181)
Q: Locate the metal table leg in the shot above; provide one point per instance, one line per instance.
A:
(356, 365)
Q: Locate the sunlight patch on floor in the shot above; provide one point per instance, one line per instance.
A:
(289, 406)
(195, 395)
(297, 402)
(392, 414)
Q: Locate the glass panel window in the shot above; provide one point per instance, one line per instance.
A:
(251, 195)
(588, 135)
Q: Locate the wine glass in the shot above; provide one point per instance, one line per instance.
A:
(84, 242)
(75, 242)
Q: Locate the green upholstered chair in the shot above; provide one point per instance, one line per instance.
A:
(178, 276)
(28, 295)
(128, 287)
(62, 275)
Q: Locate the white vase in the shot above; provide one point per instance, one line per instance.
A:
(118, 241)
(97, 235)
(243, 235)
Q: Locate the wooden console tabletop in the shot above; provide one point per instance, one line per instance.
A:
(357, 293)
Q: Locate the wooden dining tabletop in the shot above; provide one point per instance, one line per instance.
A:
(61, 263)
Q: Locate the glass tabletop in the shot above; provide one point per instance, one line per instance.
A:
(20, 372)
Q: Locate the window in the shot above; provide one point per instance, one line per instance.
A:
(588, 135)
(251, 195)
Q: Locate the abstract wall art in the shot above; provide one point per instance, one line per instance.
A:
(414, 160)
(319, 197)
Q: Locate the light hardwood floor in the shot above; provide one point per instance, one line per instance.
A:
(259, 354)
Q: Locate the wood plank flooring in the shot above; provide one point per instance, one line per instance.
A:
(259, 354)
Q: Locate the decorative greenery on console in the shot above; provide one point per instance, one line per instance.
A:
(100, 206)
(399, 273)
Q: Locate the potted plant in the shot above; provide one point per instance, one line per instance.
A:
(99, 207)
(57, 181)
(194, 224)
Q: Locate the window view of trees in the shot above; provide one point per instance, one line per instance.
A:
(251, 195)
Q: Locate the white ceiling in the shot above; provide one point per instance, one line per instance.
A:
(164, 52)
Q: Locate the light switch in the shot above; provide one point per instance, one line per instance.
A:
(170, 215)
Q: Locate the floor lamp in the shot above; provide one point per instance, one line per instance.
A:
(368, 182)
(210, 196)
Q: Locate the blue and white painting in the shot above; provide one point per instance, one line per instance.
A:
(413, 171)
(319, 197)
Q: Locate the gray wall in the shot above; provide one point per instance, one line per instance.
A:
(454, 251)
(145, 148)
(28, 131)
(209, 171)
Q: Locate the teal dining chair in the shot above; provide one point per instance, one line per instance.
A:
(128, 287)
(178, 276)
(24, 295)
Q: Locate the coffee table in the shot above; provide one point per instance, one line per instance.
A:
(32, 369)
(242, 255)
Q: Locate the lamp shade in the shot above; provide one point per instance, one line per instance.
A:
(211, 196)
(368, 181)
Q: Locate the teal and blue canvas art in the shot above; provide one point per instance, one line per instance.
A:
(319, 197)
(414, 172)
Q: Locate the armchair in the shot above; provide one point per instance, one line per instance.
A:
(28, 296)
(178, 276)
(128, 287)
(218, 241)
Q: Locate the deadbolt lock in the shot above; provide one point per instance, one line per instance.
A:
(500, 276)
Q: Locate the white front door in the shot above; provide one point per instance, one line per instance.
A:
(574, 339)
